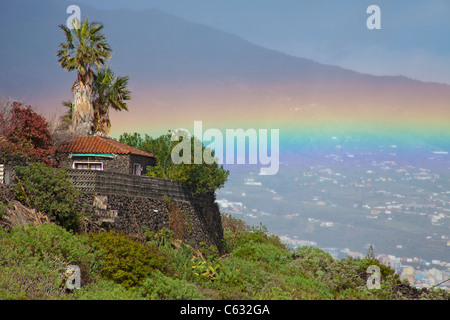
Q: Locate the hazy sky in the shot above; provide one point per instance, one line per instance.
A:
(414, 39)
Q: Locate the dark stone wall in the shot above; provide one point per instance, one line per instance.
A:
(143, 161)
(121, 163)
(193, 222)
(10, 162)
(105, 182)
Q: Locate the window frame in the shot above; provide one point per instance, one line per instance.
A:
(88, 163)
(137, 165)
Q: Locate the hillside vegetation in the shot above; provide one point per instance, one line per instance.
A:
(114, 266)
(41, 235)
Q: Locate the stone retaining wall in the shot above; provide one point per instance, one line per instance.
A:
(127, 184)
(126, 203)
(191, 222)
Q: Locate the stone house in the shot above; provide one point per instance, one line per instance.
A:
(102, 153)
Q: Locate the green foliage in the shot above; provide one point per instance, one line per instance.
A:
(262, 252)
(125, 261)
(134, 140)
(85, 47)
(160, 287)
(241, 239)
(204, 178)
(49, 191)
(106, 290)
(210, 252)
(108, 91)
(338, 275)
(370, 253)
(161, 238)
(205, 269)
(385, 271)
(232, 224)
(33, 261)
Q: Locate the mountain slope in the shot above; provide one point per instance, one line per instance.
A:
(187, 71)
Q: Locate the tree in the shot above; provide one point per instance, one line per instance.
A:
(204, 178)
(134, 140)
(66, 118)
(108, 91)
(370, 253)
(25, 132)
(85, 47)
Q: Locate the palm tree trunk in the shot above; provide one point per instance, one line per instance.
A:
(104, 124)
(83, 112)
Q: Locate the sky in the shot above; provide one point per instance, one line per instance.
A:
(414, 39)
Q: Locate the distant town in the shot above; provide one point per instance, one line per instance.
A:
(344, 199)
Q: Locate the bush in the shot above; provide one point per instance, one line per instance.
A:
(338, 275)
(262, 252)
(239, 279)
(234, 240)
(232, 224)
(49, 242)
(33, 261)
(160, 287)
(49, 191)
(125, 261)
(106, 290)
(25, 132)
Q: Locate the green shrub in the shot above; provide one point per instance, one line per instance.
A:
(49, 242)
(240, 278)
(161, 238)
(33, 280)
(263, 252)
(235, 240)
(273, 293)
(210, 252)
(160, 287)
(49, 191)
(232, 224)
(106, 290)
(33, 261)
(125, 261)
(385, 271)
(205, 270)
(338, 275)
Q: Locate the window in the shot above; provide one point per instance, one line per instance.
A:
(137, 169)
(88, 165)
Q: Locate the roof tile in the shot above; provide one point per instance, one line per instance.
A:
(97, 144)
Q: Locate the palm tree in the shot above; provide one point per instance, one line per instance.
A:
(67, 117)
(108, 91)
(85, 47)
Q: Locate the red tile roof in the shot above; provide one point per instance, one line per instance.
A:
(97, 144)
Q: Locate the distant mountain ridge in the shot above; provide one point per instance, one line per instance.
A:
(176, 65)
